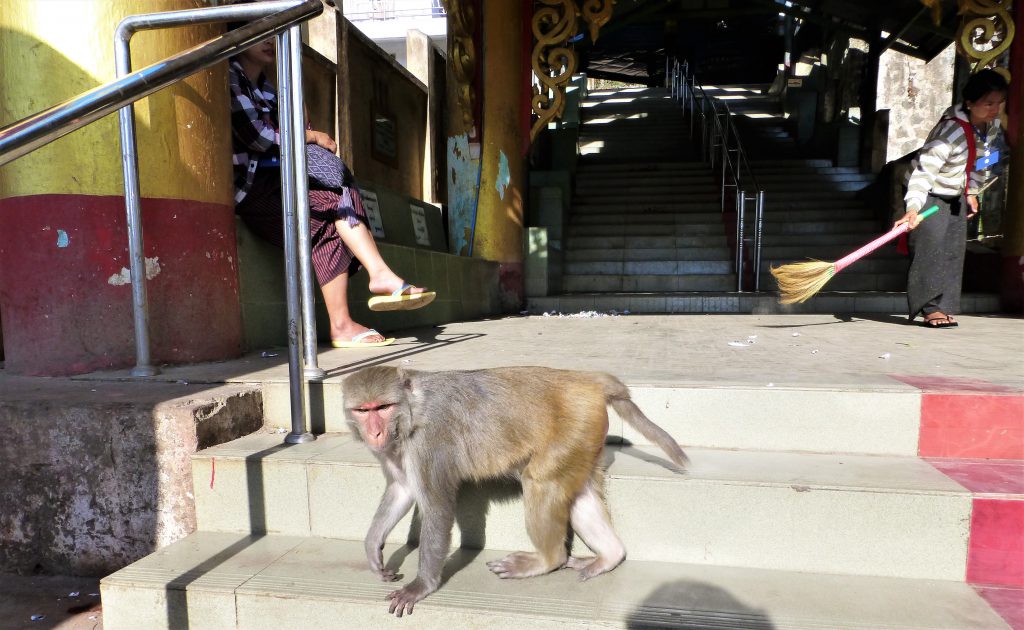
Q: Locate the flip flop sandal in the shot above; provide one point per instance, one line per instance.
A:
(357, 341)
(399, 300)
(938, 322)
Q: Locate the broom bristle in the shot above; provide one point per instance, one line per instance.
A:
(798, 282)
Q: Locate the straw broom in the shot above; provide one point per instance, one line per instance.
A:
(798, 282)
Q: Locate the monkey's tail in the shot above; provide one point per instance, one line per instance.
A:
(617, 395)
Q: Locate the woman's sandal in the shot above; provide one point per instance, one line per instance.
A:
(936, 320)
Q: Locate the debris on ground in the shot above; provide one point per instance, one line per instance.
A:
(585, 314)
(751, 340)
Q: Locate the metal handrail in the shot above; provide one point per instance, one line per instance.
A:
(722, 140)
(278, 18)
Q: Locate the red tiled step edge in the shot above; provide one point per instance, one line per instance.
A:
(995, 550)
(969, 418)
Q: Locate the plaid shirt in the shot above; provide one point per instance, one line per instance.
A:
(254, 133)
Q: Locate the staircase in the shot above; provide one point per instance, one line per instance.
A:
(800, 510)
(646, 233)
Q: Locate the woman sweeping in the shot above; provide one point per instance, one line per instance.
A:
(948, 172)
(341, 242)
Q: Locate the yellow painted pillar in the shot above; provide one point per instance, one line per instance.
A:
(65, 292)
(500, 206)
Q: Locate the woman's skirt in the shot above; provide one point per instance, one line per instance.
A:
(262, 212)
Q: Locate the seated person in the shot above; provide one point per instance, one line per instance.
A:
(341, 241)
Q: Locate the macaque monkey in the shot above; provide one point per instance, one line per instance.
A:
(432, 431)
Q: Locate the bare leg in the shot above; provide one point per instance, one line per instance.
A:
(360, 241)
(336, 300)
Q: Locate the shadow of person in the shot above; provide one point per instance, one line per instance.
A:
(690, 605)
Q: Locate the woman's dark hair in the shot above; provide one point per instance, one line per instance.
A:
(982, 83)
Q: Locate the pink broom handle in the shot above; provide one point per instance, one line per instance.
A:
(847, 260)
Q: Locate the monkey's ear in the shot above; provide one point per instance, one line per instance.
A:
(405, 379)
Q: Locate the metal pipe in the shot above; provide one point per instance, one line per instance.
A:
(311, 370)
(133, 220)
(129, 149)
(289, 176)
(32, 132)
(759, 221)
(725, 163)
(740, 210)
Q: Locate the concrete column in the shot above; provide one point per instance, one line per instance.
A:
(1013, 214)
(65, 291)
(419, 55)
(499, 232)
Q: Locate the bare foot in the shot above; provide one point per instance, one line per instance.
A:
(346, 333)
(388, 282)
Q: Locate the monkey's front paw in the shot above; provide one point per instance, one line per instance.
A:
(403, 600)
(388, 575)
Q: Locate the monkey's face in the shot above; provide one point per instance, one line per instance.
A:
(374, 419)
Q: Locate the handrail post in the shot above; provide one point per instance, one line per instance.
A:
(289, 177)
(311, 369)
(759, 221)
(725, 158)
(133, 218)
(739, 239)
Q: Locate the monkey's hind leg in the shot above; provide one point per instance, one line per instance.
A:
(590, 521)
(547, 515)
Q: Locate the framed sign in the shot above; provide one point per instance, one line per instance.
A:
(372, 209)
(419, 224)
(384, 136)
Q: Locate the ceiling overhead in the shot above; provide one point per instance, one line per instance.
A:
(743, 41)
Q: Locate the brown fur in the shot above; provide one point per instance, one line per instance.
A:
(546, 427)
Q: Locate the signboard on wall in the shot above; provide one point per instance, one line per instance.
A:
(419, 224)
(372, 208)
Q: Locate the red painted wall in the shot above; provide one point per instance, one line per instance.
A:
(62, 314)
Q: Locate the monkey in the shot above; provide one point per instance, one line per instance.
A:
(545, 427)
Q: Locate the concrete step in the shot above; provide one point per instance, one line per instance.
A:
(793, 253)
(680, 166)
(870, 264)
(572, 254)
(646, 218)
(700, 213)
(212, 580)
(760, 509)
(723, 265)
(764, 303)
(688, 229)
(791, 163)
(707, 203)
(579, 283)
(631, 243)
(854, 239)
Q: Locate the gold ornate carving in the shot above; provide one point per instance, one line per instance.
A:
(596, 14)
(461, 18)
(553, 63)
(997, 30)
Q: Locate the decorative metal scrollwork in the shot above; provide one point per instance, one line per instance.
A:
(553, 63)
(997, 30)
(462, 17)
(596, 14)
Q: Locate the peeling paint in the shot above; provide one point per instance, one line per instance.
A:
(463, 186)
(62, 238)
(124, 276)
(504, 177)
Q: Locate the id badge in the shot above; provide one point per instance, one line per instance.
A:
(986, 161)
